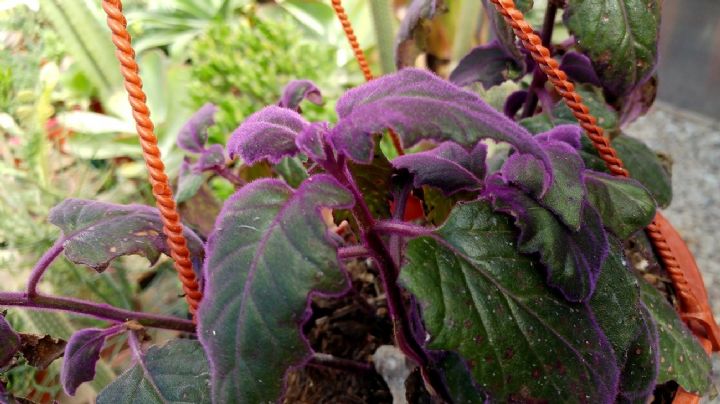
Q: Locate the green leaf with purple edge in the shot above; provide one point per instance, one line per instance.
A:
(174, 373)
(311, 140)
(489, 303)
(189, 182)
(269, 252)
(81, 355)
(9, 342)
(418, 106)
(95, 233)
(572, 259)
(641, 368)
(645, 166)
(624, 205)
(488, 64)
(459, 380)
(566, 194)
(619, 36)
(298, 90)
(194, 134)
(292, 170)
(268, 134)
(682, 359)
(448, 167)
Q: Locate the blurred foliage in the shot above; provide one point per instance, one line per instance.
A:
(244, 66)
(175, 24)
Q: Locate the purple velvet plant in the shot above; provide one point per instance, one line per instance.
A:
(522, 293)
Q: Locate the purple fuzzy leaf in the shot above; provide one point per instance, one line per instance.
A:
(448, 167)
(514, 102)
(489, 64)
(311, 141)
(638, 101)
(193, 134)
(298, 90)
(488, 302)
(269, 252)
(567, 192)
(210, 159)
(267, 134)
(9, 342)
(95, 233)
(579, 68)
(81, 355)
(572, 258)
(412, 28)
(419, 105)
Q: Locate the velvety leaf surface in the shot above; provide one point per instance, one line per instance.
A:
(566, 194)
(267, 134)
(616, 300)
(640, 373)
(193, 134)
(211, 158)
(489, 303)
(95, 233)
(682, 359)
(449, 167)
(620, 36)
(9, 342)
(374, 181)
(269, 250)
(418, 12)
(459, 380)
(419, 105)
(624, 205)
(579, 68)
(189, 182)
(311, 140)
(572, 258)
(488, 64)
(174, 373)
(645, 166)
(298, 90)
(81, 354)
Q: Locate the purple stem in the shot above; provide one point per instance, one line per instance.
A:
(354, 251)
(92, 309)
(539, 78)
(229, 175)
(400, 196)
(389, 272)
(43, 264)
(402, 229)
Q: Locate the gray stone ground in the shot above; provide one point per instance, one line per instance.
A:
(693, 142)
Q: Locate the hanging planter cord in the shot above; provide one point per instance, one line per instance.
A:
(172, 227)
(659, 231)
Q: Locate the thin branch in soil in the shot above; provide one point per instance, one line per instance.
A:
(330, 361)
(92, 309)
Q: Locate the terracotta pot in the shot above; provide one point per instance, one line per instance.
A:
(696, 312)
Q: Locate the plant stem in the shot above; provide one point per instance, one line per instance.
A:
(402, 228)
(382, 16)
(354, 251)
(92, 309)
(227, 173)
(389, 272)
(43, 264)
(539, 78)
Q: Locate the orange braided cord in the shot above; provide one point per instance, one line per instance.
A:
(360, 57)
(566, 89)
(172, 227)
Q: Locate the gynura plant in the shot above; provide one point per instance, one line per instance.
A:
(514, 287)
